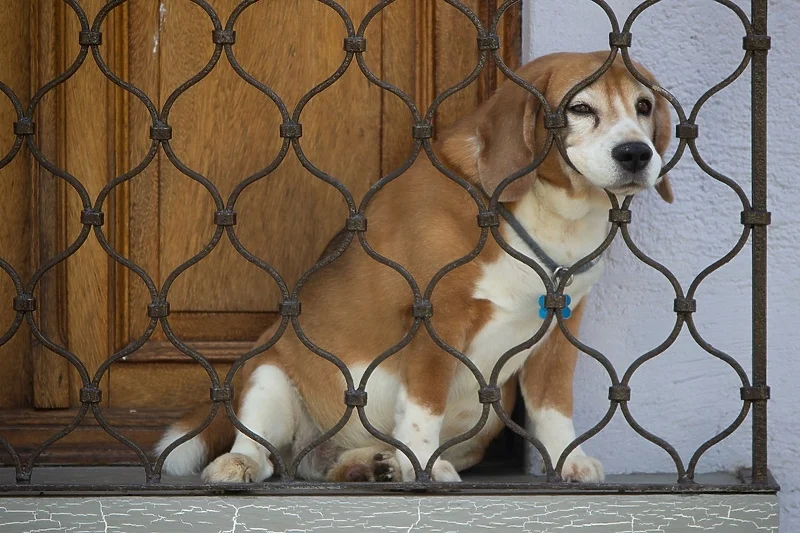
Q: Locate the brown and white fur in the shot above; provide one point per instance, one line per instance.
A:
(355, 308)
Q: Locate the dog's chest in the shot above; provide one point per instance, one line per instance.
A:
(514, 290)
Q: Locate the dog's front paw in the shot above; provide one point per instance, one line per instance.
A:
(237, 468)
(445, 471)
(583, 469)
(365, 465)
(385, 467)
(442, 470)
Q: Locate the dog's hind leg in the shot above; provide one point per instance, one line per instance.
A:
(469, 453)
(371, 463)
(269, 408)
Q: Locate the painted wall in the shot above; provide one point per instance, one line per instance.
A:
(686, 395)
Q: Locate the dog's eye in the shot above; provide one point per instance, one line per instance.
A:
(644, 107)
(581, 109)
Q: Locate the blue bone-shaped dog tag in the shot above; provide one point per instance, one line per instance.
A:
(566, 312)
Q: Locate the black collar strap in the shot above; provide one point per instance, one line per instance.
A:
(556, 269)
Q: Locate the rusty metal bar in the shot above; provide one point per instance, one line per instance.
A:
(759, 200)
(754, 218)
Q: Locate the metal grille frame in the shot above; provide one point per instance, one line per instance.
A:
(754, 219)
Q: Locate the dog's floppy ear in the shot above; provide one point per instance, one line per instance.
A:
(662, 135)
(506, 130)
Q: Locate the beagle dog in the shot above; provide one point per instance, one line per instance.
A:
(358, 308)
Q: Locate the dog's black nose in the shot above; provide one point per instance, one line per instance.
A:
(632, 156)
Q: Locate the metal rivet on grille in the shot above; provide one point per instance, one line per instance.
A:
(489, 394)
(23, 476)
(223, 36)
(92, 217)
(91, 394)
(289, 308)
(292, 130)
(161, 131)
(756, 42)
(754, 217)
(489, 42)
(24, 126)
(355, 398)
(221, 394)
(422, 309)
(355, 44)
(686, 130)
(357, 222)
(619, 393)
(90, 38)
(25, 303)
(756, 393)
(685, 305)
(158, 309)
(488, 219)
(554, 301)
(554, 121)
(621, 38)
(226, 217)
(422, 131)
(619, 216)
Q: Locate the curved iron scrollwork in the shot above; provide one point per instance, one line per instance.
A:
(224, 36)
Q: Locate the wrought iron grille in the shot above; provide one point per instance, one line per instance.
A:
(754, 219)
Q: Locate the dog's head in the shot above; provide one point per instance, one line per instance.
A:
(616, 135)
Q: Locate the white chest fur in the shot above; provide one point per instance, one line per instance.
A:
(514, 288)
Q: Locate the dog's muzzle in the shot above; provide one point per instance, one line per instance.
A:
(633, 159)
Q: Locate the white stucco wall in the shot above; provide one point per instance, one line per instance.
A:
(686, 395)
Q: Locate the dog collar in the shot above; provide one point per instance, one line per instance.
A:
(557, 270)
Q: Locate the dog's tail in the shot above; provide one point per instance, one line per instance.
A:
(193, 455)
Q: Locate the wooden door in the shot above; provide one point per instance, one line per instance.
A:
(224, 130)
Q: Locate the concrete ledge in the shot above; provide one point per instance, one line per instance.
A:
(393, 514)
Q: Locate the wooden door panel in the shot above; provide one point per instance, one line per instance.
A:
(50, 384)
(455, 40)
(88, 116)
(140, 386)
(15, 191)
(401, 27)
(224, 129)
(25, 429)
(138, 200)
